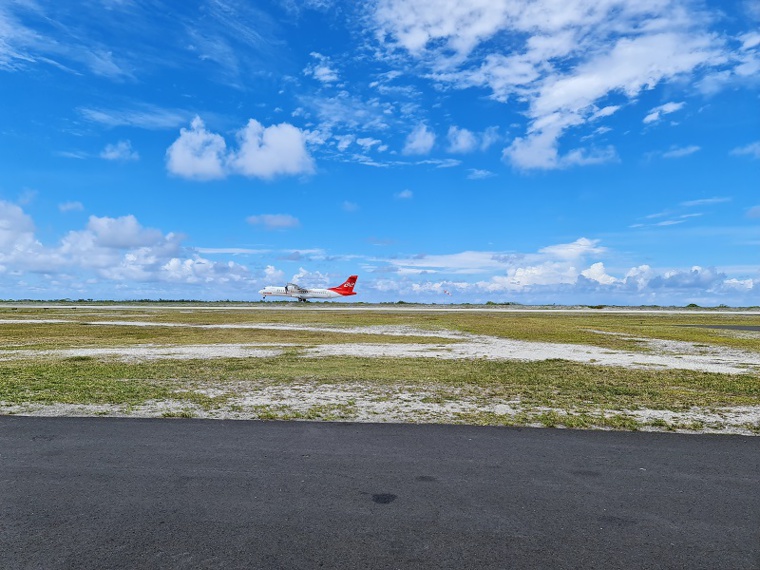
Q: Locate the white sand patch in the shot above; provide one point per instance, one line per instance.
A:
(154, 352)
(397, 404)
(33, 321)
(728, 361)
(392, 330)
(737, 416)
(662, 354)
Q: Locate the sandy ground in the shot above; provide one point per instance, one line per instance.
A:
(660, 354)
(361, 403)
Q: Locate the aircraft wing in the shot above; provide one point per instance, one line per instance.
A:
(293, 288)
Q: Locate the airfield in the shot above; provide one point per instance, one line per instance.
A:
(369, 471)
(655, 369)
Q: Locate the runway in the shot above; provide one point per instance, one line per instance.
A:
(337, 306)
(128, 493)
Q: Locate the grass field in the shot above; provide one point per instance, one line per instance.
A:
(116, 361)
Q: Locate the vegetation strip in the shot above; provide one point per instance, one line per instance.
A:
(285, 380)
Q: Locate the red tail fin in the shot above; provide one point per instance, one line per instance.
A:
(346, 288)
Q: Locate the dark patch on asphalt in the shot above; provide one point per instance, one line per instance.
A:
(617, 521)
(43, 438)
(747, 328)
(383, 498)
(425, 479)
(586, 473)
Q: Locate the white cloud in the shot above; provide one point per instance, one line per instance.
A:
(657, 113)
(598, 273)
(752, 150)
(695, 278)
(273, 275)
(16, 229)
(579, 248)
(271, 151)
(461, 140)
(321, 69)
(414, 25)
(263, 152)
(122, 150)
(368, 142)
(750, 40)
(122, 233)
(464, 141)
(344, 141)
(753, 212)
(76, 154)
(639, 277)
(563, 62)
(350, 206)
(520, 268)
(607, 111)
(144, 117)
(274, 221)
(197, 153)
(404, 195)
(742, 285)
(478, 174)
(679, 152)
(419, 141)
(71, 207)
(348, 110)
(706, 201)
(114, 249)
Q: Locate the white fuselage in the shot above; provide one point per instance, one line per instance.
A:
(271, 291)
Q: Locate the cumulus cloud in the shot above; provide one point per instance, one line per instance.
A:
(122, 151)
(274, 221)
(579, 248)
(266, 152)
(419, 141)
(273, 275)
(461, 140)
(112, 249)
(263, 152)
(562, 63)
(598, 273)
(197, 153)
(122, 233)
(570, 269)
(16, 229)
(464, 141)
(107, 250)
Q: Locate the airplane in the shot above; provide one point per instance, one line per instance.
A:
(302, 294)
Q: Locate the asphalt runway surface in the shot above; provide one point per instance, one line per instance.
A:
(141, 493)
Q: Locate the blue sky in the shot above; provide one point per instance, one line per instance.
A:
(534, 151)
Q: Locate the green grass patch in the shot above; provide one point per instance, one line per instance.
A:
(572, 328)
(552, 383)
